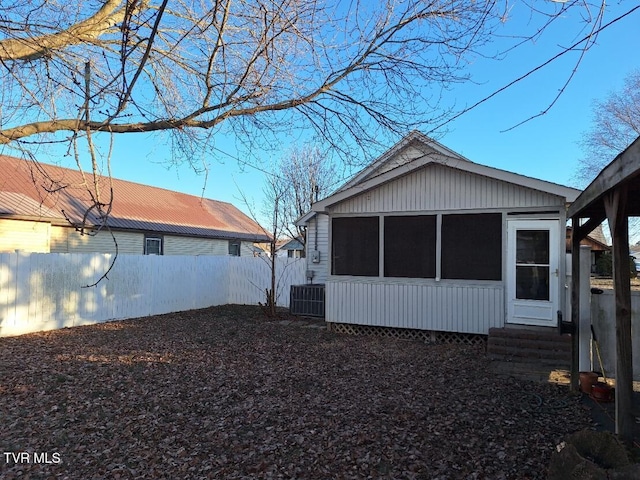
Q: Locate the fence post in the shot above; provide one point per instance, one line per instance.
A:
(584, 340)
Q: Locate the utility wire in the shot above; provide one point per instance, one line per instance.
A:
(531, 72)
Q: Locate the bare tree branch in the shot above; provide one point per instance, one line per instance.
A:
(87, 31)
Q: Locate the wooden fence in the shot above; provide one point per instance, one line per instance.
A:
(45, 291)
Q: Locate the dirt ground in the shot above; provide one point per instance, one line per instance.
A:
(224, 393)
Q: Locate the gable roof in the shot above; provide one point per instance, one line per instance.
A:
(399, 161)
(35, 190)
(291, 244)
(393, 157)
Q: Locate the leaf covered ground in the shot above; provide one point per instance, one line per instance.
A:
(224, 393)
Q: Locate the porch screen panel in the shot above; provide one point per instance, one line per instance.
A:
(410, 246)
(472, 246)
(355, 246)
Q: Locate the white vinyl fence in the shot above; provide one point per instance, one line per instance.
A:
(598, 311)
(603, 318)
(45, 291)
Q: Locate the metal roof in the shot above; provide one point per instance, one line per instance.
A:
(35, 190)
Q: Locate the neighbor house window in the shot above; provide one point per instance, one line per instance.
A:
(234, 248)
(410, 246)
(153, 245)
(472, 246)
(355, 246)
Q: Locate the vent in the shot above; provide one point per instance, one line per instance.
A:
(307, 300)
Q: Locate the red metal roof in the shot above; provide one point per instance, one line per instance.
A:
(33, 189)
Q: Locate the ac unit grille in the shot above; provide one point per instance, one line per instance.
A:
(307, 300)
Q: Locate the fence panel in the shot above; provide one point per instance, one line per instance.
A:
(603, 318)
(44, 291)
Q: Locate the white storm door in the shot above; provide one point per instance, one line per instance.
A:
(533, 272)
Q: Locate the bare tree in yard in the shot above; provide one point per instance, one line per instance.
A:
(357, 73)
(250, 69)
(308, 174)
(616, 123)
(275, 193)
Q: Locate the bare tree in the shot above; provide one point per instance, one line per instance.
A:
(306, 174)
(275, 192)
(357, 74)
(247, 68)
(616, 123)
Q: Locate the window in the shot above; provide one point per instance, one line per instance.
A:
(355, 247)
(153, 245)
(410, 246)
(234, 248)
(472, 246)
(533, 264)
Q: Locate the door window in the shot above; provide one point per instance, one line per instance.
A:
(532, 264)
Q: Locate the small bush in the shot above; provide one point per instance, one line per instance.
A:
(604, 265)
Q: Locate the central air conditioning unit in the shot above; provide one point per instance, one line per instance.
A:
(307, 300)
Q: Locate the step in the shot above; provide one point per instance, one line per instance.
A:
(526, 334)
(527, 343)
(529, 352)
(542, 347)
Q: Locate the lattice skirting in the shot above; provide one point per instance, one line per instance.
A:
(410, 334)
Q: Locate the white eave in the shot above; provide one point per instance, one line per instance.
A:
(303, 220)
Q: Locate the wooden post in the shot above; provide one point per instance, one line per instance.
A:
(615, 206)
(575, 302)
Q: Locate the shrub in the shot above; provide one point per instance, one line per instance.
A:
(604, 265)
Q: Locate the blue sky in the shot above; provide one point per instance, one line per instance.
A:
(545, 147)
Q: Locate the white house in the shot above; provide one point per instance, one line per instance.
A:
(425, 239)
(291, 248)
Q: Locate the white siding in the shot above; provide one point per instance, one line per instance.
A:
(405, 156)
(246, 249)
(68, 240)
(423, 306)
(24, 235)
(321, 244)
(438, 187)
(174, 245)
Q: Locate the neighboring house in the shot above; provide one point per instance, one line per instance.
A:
(596, 240)
(291, 248)
(425, 239)
(40, 204)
